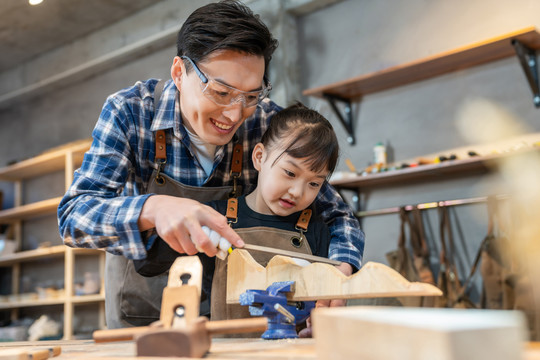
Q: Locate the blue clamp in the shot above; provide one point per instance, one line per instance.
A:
(282, 315)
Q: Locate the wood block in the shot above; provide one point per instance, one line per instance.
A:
(319, 281)
(389, 333)
(186, 265)
(188, 297)
(193, 341)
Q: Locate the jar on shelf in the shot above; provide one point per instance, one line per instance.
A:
(379, 154)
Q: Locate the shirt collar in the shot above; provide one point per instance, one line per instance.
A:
(167, 114)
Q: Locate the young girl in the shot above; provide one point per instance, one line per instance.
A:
(296, 155)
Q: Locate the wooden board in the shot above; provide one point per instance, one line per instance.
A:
(220, 349)
(319, 281)
(304, 349)
(50, 161)
(465, 57)
(27, 211)
(388, 333)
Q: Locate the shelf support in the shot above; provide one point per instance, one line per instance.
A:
(527, 58)
(347, 120)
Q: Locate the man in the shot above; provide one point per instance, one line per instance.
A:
(155, 159)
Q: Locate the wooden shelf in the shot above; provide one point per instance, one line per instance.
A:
(443, 170)
(87, 299)
(79, 300)
(30, 255)
(64, 158)
(446, 62)
(27, 211)
(51, 161)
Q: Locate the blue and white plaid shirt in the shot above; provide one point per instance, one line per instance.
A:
(102, 206)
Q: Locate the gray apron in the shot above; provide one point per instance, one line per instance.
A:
(132, 299)
(261, 235)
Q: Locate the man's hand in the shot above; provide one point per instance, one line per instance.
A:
(308, 332)
(179, 221)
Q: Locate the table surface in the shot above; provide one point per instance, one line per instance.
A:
(221, 349)
(303, 349)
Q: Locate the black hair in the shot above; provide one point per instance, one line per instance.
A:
(312, 135)
(226, 25)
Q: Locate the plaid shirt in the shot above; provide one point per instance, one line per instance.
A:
(102, 206)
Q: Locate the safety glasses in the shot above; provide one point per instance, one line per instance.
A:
(226, 95)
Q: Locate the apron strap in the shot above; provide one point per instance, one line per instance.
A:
(160, 140)
(161, 146)
(236, 167)
(232, 210)
(303, 220)
(232, 215)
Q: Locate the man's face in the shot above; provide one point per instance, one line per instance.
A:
(284, 186)
(213, 123)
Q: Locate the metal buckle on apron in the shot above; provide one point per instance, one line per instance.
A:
(160, 180)
(297, 241)
(301, 226)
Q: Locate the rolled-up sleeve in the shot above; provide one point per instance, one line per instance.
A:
(347, 239)
(92, 214)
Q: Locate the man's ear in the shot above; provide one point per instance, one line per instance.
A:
(257, 156)
(177, 68)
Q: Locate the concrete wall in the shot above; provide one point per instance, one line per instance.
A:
(356, 37)
(328, 42)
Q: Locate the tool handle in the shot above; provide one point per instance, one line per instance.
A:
(123, 334)
(237, 326)
(19, 354)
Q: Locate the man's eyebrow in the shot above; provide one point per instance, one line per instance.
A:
(222, 82)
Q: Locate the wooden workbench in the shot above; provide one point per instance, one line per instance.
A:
(242, 349)
(221, 349)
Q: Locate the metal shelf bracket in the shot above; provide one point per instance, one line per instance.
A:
(529, 62)
(347, 120)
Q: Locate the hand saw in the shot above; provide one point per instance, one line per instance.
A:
(293, 254)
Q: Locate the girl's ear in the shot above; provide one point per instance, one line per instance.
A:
(257, 156)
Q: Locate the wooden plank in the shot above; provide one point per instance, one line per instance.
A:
(427, 172)
(220, 349)
(22, 302)
(46, 252)
(319, 281)
(238, 348)
(48, 162)
(461, 58)
(418, 333)
(30, 255)
(443, 170)
(27, 211)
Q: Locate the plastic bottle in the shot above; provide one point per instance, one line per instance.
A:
(379, 154)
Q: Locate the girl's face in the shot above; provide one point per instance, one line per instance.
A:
(284, 187)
